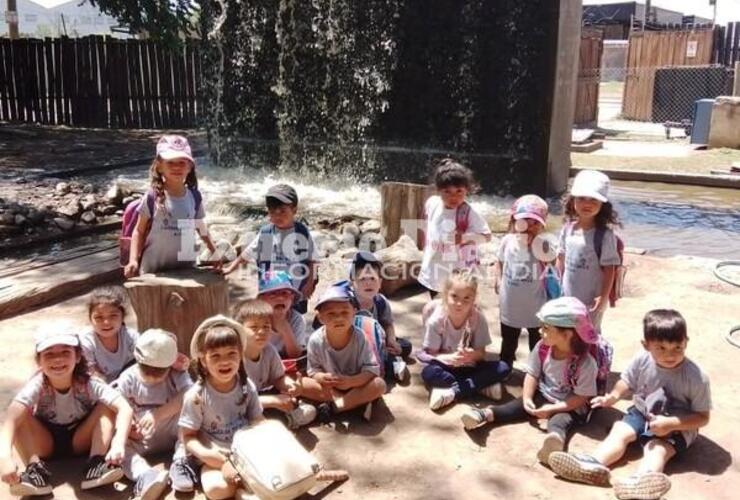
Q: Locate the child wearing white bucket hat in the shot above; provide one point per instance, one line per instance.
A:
(588, 254)
(154, 390)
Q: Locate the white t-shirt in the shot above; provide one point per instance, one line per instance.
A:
(266, 370)
(552, 378)
(144, 397)
(522, 291)
(441, 255)
(297, 326)
(109, 364)
(441, 336)
(220, 414)
(64, 408)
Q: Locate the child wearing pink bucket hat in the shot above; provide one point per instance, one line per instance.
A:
(560, 377)
(168, 215)
(522, 258)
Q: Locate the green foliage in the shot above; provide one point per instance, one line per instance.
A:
(162, 20)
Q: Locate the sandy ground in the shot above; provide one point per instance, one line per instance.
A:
(410, 452)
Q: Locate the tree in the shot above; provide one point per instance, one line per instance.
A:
(163, 20)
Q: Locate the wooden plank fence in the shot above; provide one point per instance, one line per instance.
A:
(100, 82)
(727, 44)
(589, 78)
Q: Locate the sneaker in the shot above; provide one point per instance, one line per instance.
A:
(493, 391)
(184, 474)
(367, 413)
(646, 486)
(552, 443)
(440, 397)
(150, 485)
(303, 414)
(579, 467)
(400, 370)
(324, 413)
(35, 480)
(476, 417)
(99, 473)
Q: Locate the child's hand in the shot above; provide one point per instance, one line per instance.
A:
(182, 362)
(599, 303)
(393, 347)
(451, 359)
(543, 411)
(146, 424)
(660, 425)
(131, 269)
(229, 472)
(343, 383)
(9, 471)
(295, 387)
(529, 406)
(603, 401)
(230, 268)
(115, 454)
(217, 264)
(284, 402)
(326, 379)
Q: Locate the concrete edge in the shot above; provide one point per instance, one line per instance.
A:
(721, 181)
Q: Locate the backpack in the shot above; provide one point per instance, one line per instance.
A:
(617, 290)
(375, 337)
(265, 245)
(602, 351)
(272, 462)
(131, 217)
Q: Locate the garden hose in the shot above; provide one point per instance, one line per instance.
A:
(718, 274)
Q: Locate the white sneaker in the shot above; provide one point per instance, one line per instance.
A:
(302, 415)
(400, 370)
(476, 417)
(494, 391)
(440, 397)
(552, 443)
(649, 485)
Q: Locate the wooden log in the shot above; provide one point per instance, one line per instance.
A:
(177, 301)
(402, 206)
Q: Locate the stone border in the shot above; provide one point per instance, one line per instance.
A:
(721, 181)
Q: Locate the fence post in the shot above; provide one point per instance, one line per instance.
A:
(736, 86)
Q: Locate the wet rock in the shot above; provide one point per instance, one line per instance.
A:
(70, 209)
(88, 202)
(88, 217)
(108, 210)
(36, 216)
(62, 188)
(88, 188)
(20, 220)
(371, 226)
(7, 218)
(401, 263)
(114, 195)
(64, 223)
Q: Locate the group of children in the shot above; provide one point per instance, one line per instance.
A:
(120, 395)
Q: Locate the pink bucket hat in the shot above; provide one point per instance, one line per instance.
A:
(172, 147)
(569, 312)
(530, 206)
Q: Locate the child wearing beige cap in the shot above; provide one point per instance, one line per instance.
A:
(154, 390)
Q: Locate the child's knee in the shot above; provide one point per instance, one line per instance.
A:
(430, 373)
(215, 486)
(379, 386)
(659, 448)
(622, 433)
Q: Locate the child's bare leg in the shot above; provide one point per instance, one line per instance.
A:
(613, 447)
(358, 396)
(32, 440)
(657, 452)
(215, 487)
(314, 391)
(95, 432)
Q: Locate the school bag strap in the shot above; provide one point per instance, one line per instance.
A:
(197, 197)
(374, 336)
(462, 217)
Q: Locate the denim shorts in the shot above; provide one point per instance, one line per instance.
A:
(637, 421)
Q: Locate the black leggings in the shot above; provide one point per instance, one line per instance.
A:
(513, 411)
(510, 341)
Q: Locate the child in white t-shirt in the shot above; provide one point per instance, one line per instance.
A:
(222, 401)
(154, 390)
(454, 228)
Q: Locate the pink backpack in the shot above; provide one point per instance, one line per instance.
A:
(602, 351)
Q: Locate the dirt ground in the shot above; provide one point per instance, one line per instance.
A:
(409, 452)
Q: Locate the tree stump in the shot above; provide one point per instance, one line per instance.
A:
(178, 301)
(403, 211)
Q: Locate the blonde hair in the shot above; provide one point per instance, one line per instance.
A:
(252, 308)
(463, 277)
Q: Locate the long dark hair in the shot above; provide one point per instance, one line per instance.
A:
(156, 180)
(606, 218)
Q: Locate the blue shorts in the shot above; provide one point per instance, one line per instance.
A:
(637, 421)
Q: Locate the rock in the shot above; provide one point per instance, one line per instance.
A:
(128, 199)
(348, 240)
(329, 247)
(114, 195)
(88, 217)
(62, 188)
(401, 264)
(20, 220)
(371, 242)
(119, 212)
(88, 188)
(371, 226)
(7, 218)
(71, 209)
(350, 228)
(347, 253)
(108, 210)
(88, 202)
(64, 223)
(36, 216)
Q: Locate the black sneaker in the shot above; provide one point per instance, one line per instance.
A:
(324, 413)
(150, 485)
(99, 473)
(35, 480)
(184, 474)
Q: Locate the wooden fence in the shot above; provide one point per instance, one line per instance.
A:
(651, 51)
(99, 82)
(727, 44)
(589, 78)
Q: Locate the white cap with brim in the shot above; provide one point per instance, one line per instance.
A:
(157, 348)
(591, 184)
(48, 338)
(218, 320)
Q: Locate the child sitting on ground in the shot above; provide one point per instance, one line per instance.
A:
(548, 392)
(455, 339)
(222, 401)
(343, 371)
(284, 244)
(366, 276)
(59, 414)
(672, 400)
(288, 326)
(266, 371)
(154, 390)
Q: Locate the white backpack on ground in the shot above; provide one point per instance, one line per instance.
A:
(272, 462)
